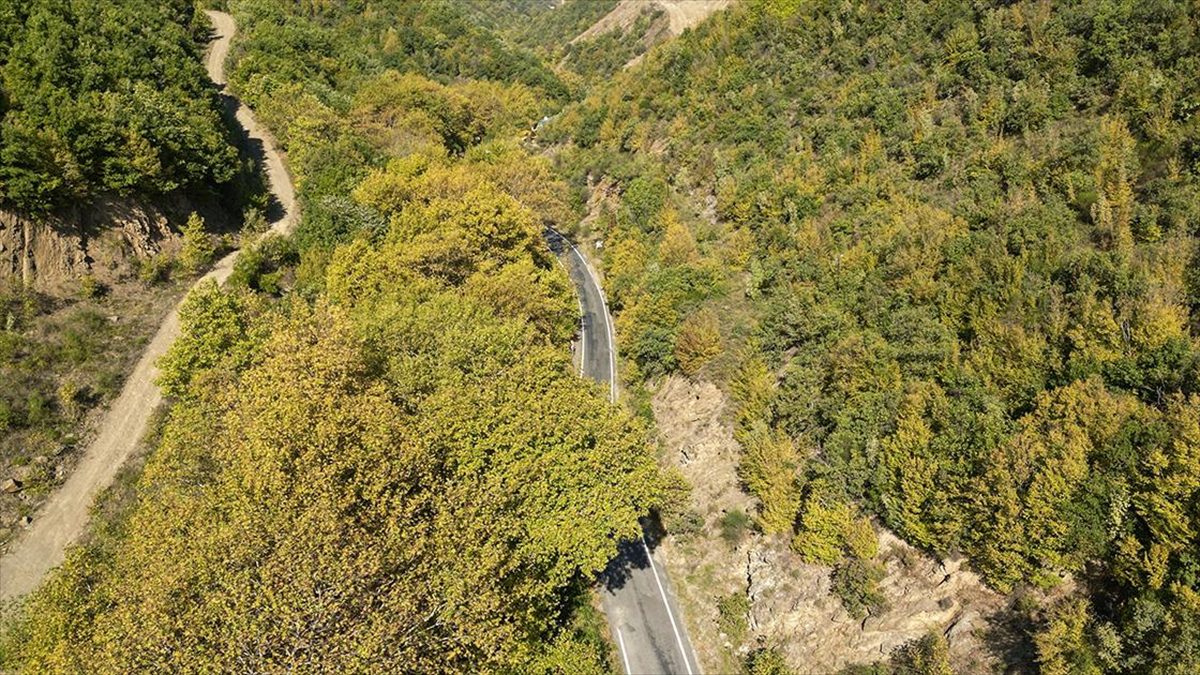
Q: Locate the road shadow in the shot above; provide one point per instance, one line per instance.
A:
(254, 149)
(631, 555)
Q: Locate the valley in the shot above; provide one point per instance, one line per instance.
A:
(588, 336)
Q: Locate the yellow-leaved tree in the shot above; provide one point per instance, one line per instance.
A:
(404, 474)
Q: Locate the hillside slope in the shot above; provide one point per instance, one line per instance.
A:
(681, 15)
(622, 37)
(64, 517)
(111, 140)
(135, 116)
(942, 256)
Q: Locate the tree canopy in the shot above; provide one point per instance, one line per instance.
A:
(951, 244)
(106, 97)
(378, 456)
(404, 474)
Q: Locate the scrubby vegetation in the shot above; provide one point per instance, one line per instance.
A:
(541, 26)
(596, 59)
(60, 360)
(924, 656)
(953, 247)
(733, 616)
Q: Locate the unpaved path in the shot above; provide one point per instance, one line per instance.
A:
(64, 516)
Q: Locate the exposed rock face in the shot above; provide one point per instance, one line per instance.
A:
(791, 607)
(702, 445)
(50, 252)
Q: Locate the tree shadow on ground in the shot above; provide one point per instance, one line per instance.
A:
(632, 555)
(254, 149)
(1008, 638)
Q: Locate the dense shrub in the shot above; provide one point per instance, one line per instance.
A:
(955, 240)
(106, 96)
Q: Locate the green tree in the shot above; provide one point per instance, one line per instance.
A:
(698, 342)
(856, 583)
(910, 474)
(315, 491)
(220, 335)
(197, 249)
(771, 468)
(107, 97)
(929, 655)
(829, 528)
(1063, 646)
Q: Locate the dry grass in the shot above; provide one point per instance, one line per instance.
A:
(64, 359)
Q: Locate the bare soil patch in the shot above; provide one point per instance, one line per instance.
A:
(682, 14)
(791, 607)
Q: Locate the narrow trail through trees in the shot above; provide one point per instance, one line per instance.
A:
(64, 516)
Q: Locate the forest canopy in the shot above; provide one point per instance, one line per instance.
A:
(106, 97)
(954, 246)
(942, 254)
(378, 456)
(406, 474)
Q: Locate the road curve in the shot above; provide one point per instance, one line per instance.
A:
(643, 615)
(64, 516)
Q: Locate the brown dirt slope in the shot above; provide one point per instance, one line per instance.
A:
(106, 240)
(682, 14)
(791, 607)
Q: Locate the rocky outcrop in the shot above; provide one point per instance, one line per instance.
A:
(791, 606)
(51, 252)
(689, 416)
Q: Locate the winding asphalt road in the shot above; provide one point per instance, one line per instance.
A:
(642, 613)
(63, 518)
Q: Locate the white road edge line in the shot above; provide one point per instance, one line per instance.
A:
(624, 655)
(612, 341)
(612, 371)
(670, 615)
(612, 338)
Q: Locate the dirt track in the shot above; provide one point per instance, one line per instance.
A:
(64, 516)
